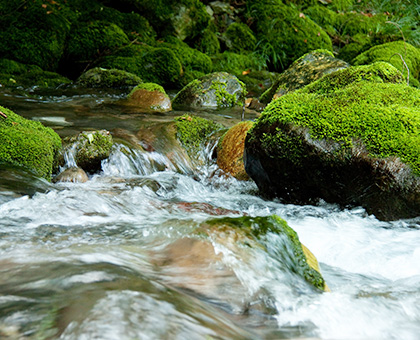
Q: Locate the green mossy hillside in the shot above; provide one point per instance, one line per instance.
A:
(28, 144)
(384, 116)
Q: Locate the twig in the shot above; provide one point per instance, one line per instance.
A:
(404, 63)
(405, 50)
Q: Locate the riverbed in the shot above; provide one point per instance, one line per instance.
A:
(121, 256)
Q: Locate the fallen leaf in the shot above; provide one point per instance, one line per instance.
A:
(44, 5)
(244, 73)
(301, 15)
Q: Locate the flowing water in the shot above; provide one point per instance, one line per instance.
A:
(122, 256)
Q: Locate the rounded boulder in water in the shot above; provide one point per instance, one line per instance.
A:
(74, 175)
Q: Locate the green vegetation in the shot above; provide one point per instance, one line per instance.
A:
(148, 87)
(260, 230)
(384, 116)
(240, 38)
(396, 53)
(193, 131)
(28, 144)
(113, 78)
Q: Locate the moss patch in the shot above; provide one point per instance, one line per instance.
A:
(113, 78)
(192, 131)
(384, 116)
(290, 253)
(28, 144)
(149, 87)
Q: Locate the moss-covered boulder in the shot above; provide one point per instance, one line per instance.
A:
(396, 53)
(194, 132)
(230, 150)
(87, 149)
(303, 71)
(15, 74)
(27, 144)
(236, 63)
(284, 33)
(89, 41)
(153, 65)
(108, 78)
(239, 38)
(33, 32)
(149, 97)
(215, 90)
(207, 42)
(355, 144)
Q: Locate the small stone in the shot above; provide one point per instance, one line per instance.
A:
(74, 175)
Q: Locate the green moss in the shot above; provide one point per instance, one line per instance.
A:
(391, 52)
(384, 116)
(352, 23)
(358, 44)
(235, 63)
(104, 78)
(379, 72)
(283, 34)
(89, 41)
(239, 38)
(263, 229)
(149, 87)
(14, 74)
(324, 17)
(207, 42)
(33, 34)
(28, 144)
(223, 97)
(192, 131)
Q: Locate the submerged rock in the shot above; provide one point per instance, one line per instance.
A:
(215, 90)
(350, 138)
(27, 143)
(230, 150)
(305, 70)
(74, 175)
(89, 148)
(149, 97)
(245, 239)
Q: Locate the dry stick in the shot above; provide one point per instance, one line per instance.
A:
(405, 50)
(2, 114)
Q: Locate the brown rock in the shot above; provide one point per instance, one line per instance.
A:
(231, 150)
(74, 175)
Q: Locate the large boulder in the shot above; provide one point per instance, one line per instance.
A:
(350, 138)
(303, 71)
(213, 91)
(27, 143)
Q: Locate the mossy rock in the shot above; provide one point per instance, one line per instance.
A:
(27, 144)
(352, 145)
(33, 32)
(108, 78)
(305, 70)
(324, 17)
(207, 42)
(357, 45)
(89, 149)
(236, 63)
(184, 19)
(257, 81)
(14, 74)
(190, 58)
(193, 132)
(284, 34)
(87, 42)
(149, 97)
(258, 233)
(153, 65)
(216, 90)
(239, 37)
(392, 53)
(230, 150)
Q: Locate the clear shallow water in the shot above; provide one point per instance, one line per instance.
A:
(123, 257)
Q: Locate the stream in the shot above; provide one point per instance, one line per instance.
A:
(122, 256)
